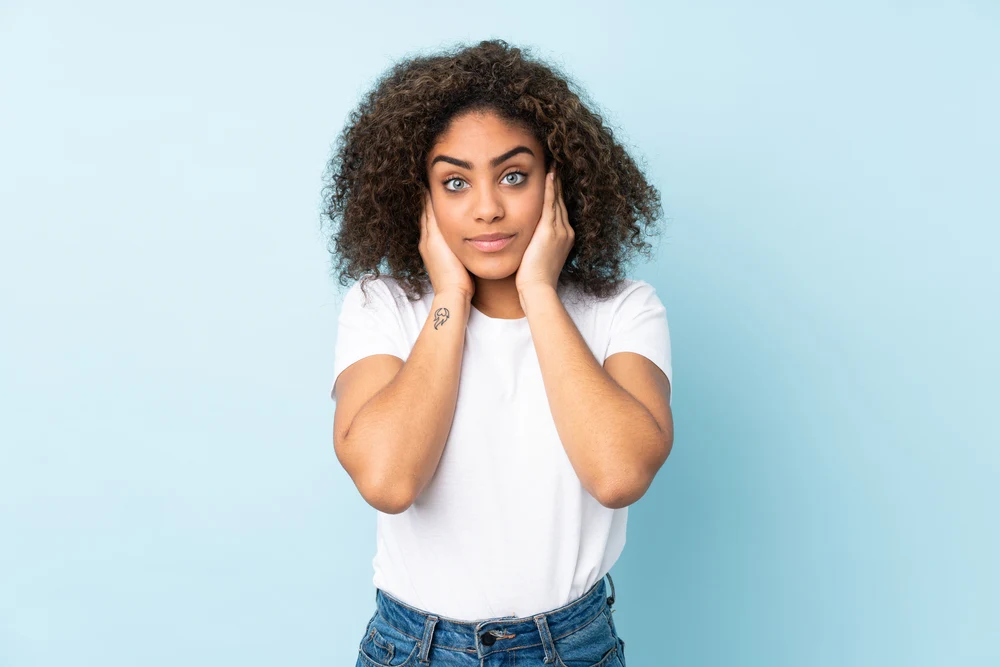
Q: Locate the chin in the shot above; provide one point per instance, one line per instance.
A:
(494, 268)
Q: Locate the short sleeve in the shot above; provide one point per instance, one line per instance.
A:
(639, 324)
(366, 326)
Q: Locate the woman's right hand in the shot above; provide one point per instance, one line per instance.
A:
(446, 271)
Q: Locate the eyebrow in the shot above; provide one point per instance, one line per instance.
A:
(493, 163)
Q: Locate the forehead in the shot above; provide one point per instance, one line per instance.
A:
(474, 135)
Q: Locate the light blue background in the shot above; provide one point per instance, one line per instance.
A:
(169, 493)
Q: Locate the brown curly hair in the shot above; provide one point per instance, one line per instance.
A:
(375, 180)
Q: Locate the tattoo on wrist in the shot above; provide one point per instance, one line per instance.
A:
(441, 316)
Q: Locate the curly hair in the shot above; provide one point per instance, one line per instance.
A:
(374, 181)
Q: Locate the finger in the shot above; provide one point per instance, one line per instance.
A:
(557, 198)
(563, 213)
(549, 189)
(423, 219)
(558, 186)
(430, 210)
(562, 205)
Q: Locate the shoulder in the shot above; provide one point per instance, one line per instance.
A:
(627, 290)
(376, 292)
(631, 285)
(633, 290)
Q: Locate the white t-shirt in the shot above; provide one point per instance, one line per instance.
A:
(504, 527)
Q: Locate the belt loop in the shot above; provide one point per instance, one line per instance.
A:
(611, 600)
(547, 644)
(425, 650)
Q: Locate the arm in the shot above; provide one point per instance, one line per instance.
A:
(613, 441)
(394, 443)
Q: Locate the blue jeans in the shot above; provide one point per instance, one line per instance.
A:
(579, 634)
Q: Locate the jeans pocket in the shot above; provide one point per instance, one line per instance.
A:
(591, 645)
(385, 646)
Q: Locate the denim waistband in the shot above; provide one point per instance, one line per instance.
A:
(502, 633)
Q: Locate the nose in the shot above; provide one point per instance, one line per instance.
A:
(489, 206)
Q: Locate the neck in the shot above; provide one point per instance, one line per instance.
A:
(498, 298)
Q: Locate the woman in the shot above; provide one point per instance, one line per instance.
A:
(503, 392)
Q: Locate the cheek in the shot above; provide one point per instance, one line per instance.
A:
(450, 228)
(533, 205)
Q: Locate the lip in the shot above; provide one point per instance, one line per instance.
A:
(486, 244)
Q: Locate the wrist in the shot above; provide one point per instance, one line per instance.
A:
(532, 289)
(535, 293)
(454, 294)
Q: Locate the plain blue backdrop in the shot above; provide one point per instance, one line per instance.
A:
(169, 493)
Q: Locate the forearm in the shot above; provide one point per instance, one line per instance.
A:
(402, 430)
(613, 442)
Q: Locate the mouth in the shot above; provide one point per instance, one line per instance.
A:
(492, 245)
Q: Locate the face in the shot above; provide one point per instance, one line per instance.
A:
(483, 181)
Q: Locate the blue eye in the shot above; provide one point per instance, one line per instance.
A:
(506, 176)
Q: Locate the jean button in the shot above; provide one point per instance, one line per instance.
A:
(487, 638)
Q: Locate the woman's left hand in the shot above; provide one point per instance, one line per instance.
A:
(550, 243)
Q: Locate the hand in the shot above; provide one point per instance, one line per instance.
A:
(550, 243)
(444, 268)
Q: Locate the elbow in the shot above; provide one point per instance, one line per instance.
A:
(618, 495)
(388, 501)
(379, 488)
(626, 486)
(618, 488)
(386, 494)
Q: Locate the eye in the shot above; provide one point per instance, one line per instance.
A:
(450, 180)
(520, 181)
(516, 173)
